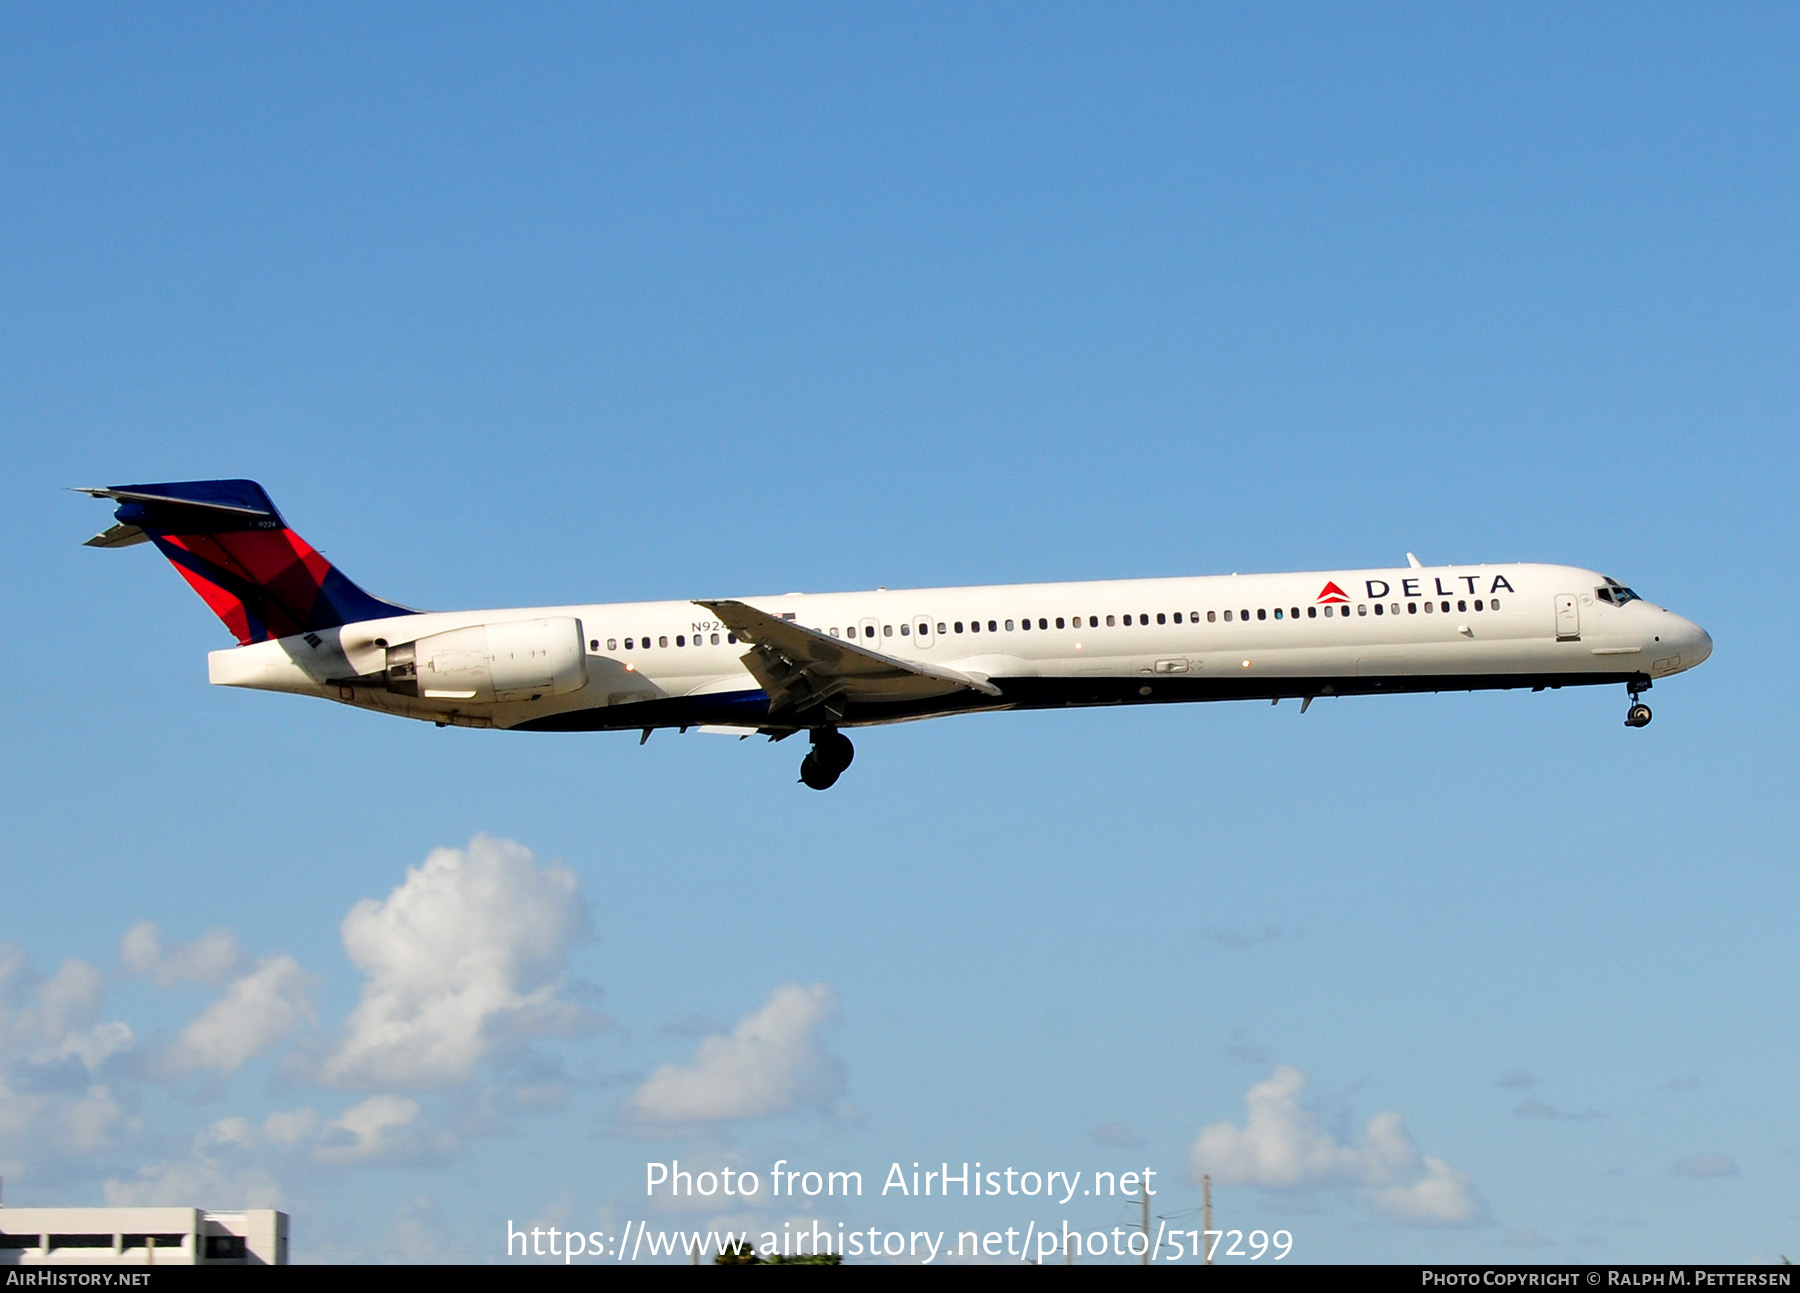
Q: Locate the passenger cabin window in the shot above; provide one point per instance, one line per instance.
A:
(1312, 612)
(662, 641)
(1211, 614)
(1362, 609)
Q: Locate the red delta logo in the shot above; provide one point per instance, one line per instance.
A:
(1331, 594)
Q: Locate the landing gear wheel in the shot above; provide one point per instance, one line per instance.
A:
(1638, 716)
(818, 777)
(825, 763)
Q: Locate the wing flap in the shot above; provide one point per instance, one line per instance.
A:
(801, 668)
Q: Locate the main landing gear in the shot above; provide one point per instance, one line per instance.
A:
(1639, 713)
(830, 755)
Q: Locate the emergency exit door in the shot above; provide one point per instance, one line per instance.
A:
(1568, 618)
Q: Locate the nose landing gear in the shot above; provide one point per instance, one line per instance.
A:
(831, 753)
(1639, 713)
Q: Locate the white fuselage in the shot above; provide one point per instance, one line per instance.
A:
(647, 664)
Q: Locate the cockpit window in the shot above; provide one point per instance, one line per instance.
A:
(1616, 593)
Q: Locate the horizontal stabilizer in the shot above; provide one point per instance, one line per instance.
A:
(120, 536)
(236, 503)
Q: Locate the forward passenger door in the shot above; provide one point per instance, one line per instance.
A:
(1568, 618)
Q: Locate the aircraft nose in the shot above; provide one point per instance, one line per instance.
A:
(1696, 644)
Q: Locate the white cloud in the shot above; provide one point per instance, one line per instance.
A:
(772, 1062)
(259, 1009)
(1442, 1196)
(1704, 1165)
(1282, 1146)
(221, 1171)
(381, 1127)
(1116, 1135)
(188, 1182)
(468, 954)
(286, 1128)
(39, 1125)
(56, 1100)
(69, 999)
(210, 959)
(465, 960)
(234, 1162)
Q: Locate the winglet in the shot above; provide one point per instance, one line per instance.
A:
(1413, 562)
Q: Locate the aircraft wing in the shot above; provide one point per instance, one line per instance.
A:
(803, 669)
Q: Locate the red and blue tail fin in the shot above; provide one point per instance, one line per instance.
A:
(231, 545)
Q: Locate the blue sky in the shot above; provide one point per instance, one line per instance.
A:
(609, 303)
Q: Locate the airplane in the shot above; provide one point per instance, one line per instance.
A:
(822, 662)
